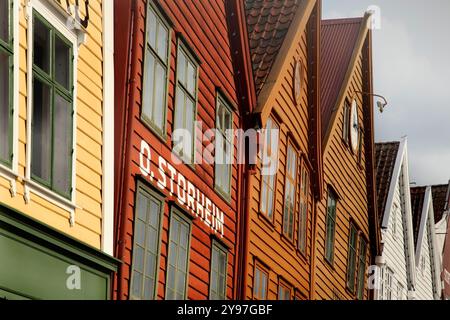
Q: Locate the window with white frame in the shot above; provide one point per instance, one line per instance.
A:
(6, 82)
(218, 283)
(284, 291)
(304, 207)
(270, 153)
(330, 226)
(400, 291)
(146, 245)
(156, 71)
(185, 105)
(52, 108)
(388, 283)
(178, 257)
(351, 258)
(260, 283)
(290, 192)
(346, 122)
(361, 268)
(223, 147)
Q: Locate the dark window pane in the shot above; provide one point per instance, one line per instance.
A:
(137, 285)
(62, 63)
(140, 232)
(62, 145)
(41, 131)
(160, 96)
(138, 263)
(4, 108)
(142, 203)
(150, 265)
(4, 20)
(147, 103)
(41, 45)
(149, 289)
(151, 28)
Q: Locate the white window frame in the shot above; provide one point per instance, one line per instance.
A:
(221, 102)
(12, 174)
(57, 17)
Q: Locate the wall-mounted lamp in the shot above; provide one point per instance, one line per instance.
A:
(380, 104)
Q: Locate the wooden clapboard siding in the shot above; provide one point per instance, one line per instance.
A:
(424, 278)
(266, 241)
(88, 162)
(342, 171)
(394, 245)
(204, 26)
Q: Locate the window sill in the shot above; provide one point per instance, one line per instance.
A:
(43, 192)
(224, 196)
(10, 175)
(329, 264)
(162, 136)
(288, 241)
(302, 255)
(263, 217)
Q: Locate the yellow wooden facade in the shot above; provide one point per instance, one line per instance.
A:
(16, 190)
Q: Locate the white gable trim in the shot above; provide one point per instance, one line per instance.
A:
(394, 181)
(426, 218)
(423, 223)
(401, 163)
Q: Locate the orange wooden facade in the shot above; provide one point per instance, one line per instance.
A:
(202, 28)
(347, 173)
(274, 258)
(276, 81)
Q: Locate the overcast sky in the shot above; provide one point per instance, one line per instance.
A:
(411, 55)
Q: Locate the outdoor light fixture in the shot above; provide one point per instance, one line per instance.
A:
(380, 104)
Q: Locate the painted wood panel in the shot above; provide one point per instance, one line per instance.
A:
(267, 244)
(348, 178)
(394, 243)
(88, 134)
(203, 26)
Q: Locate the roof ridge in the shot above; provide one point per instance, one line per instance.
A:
(337, 21)
(387, 142)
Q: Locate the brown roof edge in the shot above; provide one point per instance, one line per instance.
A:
(241, 52)
(343, 90)
(374, 215)
(314, 96)
(299, 22)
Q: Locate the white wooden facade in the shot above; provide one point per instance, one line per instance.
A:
(397, 276)
(426, 254)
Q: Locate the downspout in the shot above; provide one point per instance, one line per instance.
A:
(312, 281)
(245, 234)
(129, 148)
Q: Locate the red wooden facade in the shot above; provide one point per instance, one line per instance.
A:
(202, 29)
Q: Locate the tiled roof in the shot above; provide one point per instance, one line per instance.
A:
(385, 156)
(417, 199)
(439, 200)
(268, 23)
(338, 40)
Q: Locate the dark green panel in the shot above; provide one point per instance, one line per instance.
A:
(39, 273)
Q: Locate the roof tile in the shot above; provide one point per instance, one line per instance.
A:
(338, 40)
(417, 200)
(439, 200)
(385, 157)
(268, 23)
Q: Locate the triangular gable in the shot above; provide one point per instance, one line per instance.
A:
(339, 39)
(400, 170)
(268, 23)
(441, 194)
(385, 159)
(423, 196)
(273, 27)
